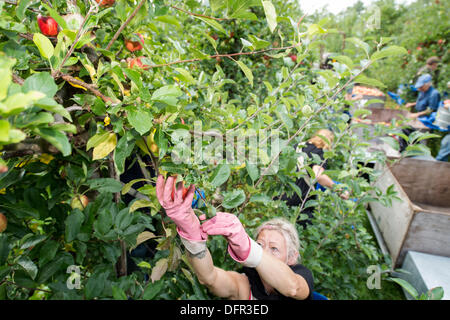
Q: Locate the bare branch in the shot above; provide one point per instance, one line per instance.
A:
(114, 38)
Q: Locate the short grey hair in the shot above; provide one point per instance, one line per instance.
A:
(288, 231)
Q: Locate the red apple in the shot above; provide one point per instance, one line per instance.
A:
(79, 201)
(105, 3)
(185, 190)
(134, 45)
(3, 168)
(3, 222)
(293, 58)
(137, 61)
(419, 48)
(48, 26)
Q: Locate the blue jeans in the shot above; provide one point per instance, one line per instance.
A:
(445, 149)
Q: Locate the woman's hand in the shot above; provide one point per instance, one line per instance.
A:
(179, 209)
(240, 246)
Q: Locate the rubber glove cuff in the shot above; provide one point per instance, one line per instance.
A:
(194, 246)
(253, 257)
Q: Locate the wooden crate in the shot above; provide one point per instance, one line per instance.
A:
(421, 220)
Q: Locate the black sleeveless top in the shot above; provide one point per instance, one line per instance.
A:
(257, 287)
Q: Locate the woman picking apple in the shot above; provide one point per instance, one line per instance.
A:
(270, 263)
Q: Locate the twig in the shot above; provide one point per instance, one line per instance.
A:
(114, 38)
(27, 36)
(90, 87)
(17, 285)
(17, 79)
(122, 263)
(227, 55)
(72, 48)
(201, 15)
(15, 3)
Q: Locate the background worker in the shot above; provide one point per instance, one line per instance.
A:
(317, 145)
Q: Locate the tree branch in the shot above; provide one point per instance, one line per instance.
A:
(114, 38)
(89, 87)
(226, 55)
(201, 15)
(72, 48)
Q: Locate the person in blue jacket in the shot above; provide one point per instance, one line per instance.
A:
(429, 97)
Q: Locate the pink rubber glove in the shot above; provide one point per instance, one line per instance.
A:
(240, 246)
(180, 210)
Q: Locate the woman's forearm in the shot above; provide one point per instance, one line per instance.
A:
(280, 276)
(203, 266)
(325, 181)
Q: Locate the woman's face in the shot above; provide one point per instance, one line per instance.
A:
(273, 243)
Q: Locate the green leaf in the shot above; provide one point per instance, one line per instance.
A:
(95, 140)
(4, 131)
(369, 81)
(214, 24)
(435, 293)
(185, 75)
(135, 76)
(126, 188)
(73, 224)
(360, 44)
(168, 19)
(22, 7)
(261, 198)
(6, 76)
(141, 119)
(141, 203)
(233, 199)
(153, 289)
(44, 45)
(167, 94)
(19, 101)
(42, 82)
(118, 293)
(123, 219)
(253, 171)
(32, 241)
(407, 286)
(388, 52)
(391, 142)
(271, 15)
(4, 249)
(105, 185)
(48, 252)
(106, 147)
(248, 73)
(56, 138)
(95, 285)
(344, 60)
(28, 266)
(52, 106)
(122, 152)
(48, 270)
(220, 175)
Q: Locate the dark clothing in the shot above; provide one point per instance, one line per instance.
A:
(428, 99)
(311, 152)
(257, 287)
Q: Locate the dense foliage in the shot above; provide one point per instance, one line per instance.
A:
(79, 109)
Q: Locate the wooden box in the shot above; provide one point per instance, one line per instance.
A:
(421, 220)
